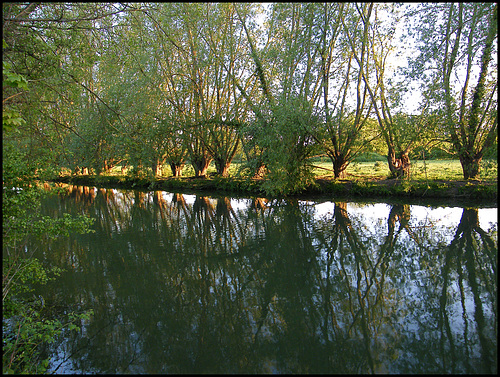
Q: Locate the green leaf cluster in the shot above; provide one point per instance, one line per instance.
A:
(289, 147)
(11, 117)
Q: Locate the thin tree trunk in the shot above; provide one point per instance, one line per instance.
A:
(200, 165)
(399, 165)
(176, 168)
(340, 164)
(156, 167)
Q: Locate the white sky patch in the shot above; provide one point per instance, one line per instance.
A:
(240, 204)
(189, 199)
(442, 216)
(487, 217)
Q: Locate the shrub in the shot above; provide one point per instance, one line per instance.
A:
(369, 157)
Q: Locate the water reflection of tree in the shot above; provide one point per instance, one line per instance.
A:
(472, 257)
(357, 307)
(203, 287)
(448, 317)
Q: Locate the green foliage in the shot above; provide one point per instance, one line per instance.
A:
(476, 191)
(26, 325)
(489, 169)
(369, 157)
(25, 333)
(12, 79)
(11, 117)
(289, 147)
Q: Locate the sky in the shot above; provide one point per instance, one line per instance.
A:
(399, 59)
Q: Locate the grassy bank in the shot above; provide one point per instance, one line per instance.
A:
(431, 179)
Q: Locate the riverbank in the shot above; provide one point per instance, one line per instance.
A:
(455, 190)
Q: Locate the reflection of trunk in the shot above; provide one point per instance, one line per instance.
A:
(259, 203)
(179, 200)
(223, 208)
(470, 221)
(363, 311)
(401, 213)
(399, 166)
(158, 198)
(202, 205)
(139, 199)
(471, 245)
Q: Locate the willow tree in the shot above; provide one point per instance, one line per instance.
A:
(345, 59)
(289, 86)
(225, 109)
(401, 132)
(197, 51)
(296, 83)
(55, 46)
(456, 45)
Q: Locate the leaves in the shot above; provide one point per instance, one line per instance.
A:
(11, 117)
(13, 79)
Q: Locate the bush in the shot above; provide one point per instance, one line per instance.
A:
(421, 153)
(26, 327)
(369, 157)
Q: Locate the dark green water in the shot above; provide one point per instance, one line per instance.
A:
(192, 284)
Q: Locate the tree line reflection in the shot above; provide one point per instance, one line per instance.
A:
(192, 284)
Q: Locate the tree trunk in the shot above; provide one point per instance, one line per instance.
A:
(156, 167)
(260, 171)
(339, 163)
(176, 168)
(471, 165)
(399, 166)
(221, 166)
(200, 164)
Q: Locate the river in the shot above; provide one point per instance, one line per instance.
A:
(203, 284)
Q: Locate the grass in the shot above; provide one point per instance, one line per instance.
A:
(429, 170)
(420, 170)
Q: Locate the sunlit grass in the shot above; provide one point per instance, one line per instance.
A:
(373, 170)
(420, 170)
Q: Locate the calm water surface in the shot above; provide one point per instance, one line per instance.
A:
(197, 284)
